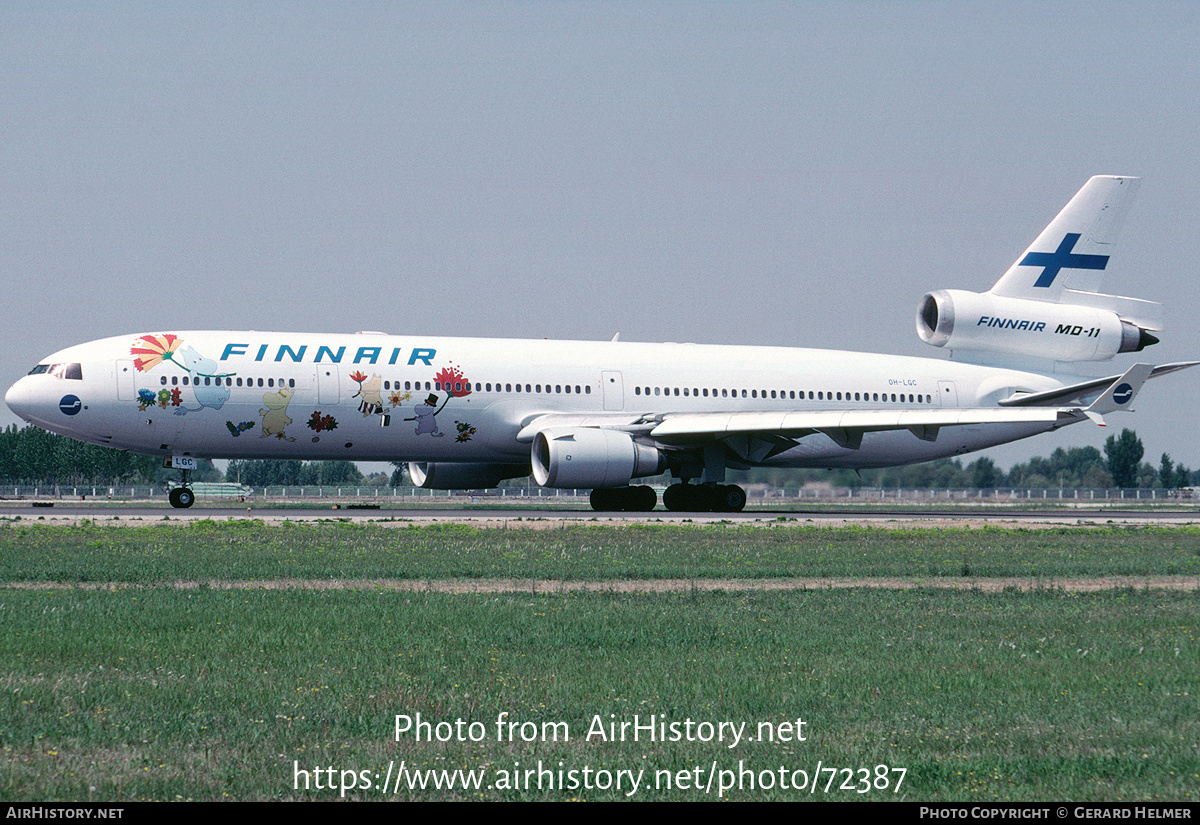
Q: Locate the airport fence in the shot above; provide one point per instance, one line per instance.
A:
(756, 494)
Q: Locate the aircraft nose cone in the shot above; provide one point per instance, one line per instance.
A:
(20, 399)
(37, 401)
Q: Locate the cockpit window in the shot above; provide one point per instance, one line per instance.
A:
(72, 372)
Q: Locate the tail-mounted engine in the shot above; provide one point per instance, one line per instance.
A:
(984, 322)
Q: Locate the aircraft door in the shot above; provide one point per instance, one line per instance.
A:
(328, 388)
(125, 386)
(613, 389)
(948, 393)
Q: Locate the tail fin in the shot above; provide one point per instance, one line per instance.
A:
(1046, 307)
(1066, 264)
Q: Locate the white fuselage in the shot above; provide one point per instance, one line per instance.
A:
(370, 396)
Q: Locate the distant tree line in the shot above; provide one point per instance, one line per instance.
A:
(31, 455)
(278, 473)
(1120, 465)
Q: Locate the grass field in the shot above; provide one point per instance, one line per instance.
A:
(154, 691)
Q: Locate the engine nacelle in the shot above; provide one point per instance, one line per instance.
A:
(444, 475)
(984, 322)
(588, 457)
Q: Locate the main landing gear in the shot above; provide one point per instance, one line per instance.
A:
(701, 498)
(695, 498)
(711, 495)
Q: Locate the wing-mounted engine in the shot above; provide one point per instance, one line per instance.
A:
(983, 322)
(592, 457)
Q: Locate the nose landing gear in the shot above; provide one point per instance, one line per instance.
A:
(182, 497)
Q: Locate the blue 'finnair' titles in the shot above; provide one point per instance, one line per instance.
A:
(322, 353)
(1011, 323)
(467, 413)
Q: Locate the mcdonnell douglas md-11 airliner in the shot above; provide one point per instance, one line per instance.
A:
(467, 413)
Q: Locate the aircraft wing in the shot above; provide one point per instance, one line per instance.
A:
(844, 427)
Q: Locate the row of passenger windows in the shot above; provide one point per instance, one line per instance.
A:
(459, 386)
(467, 386)
(794, 395)
(220, 380)
(72, 371)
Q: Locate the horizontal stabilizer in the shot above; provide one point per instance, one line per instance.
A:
(1075, 392)
(1144, 314)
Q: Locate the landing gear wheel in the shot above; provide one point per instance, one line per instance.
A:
(675, 498)
(603, 499)
(729, 498)
(705, 498)
(182, 497)
(687, 497)
(646, 499)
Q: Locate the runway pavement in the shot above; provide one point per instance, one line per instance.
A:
(64, 511)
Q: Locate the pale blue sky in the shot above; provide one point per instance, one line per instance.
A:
(765, 173)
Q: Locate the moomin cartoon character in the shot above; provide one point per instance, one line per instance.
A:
(275, 417)
(426, 416)
(210, 389)
(368, 390)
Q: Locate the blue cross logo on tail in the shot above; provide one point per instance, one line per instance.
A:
(1062, 258)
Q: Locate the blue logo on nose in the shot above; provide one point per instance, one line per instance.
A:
(1123, 394)
(70, 404)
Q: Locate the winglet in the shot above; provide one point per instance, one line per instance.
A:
(1120, 393)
